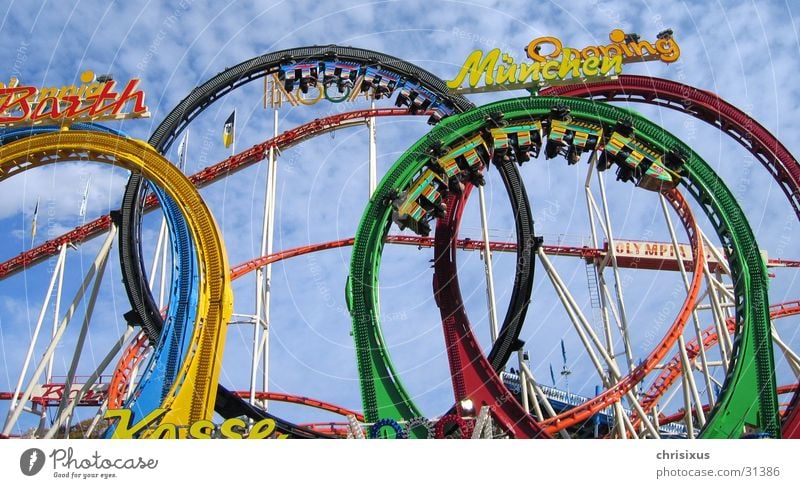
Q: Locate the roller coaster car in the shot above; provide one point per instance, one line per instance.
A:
(574, 136)
(623, 127)
(342, 75)
(421, 203)
(640, 165)
(441, 109)
(381, 82)
(465, 162)
(674, 160)
(413, 99)
(521, 140)
(305, 74)
(415, 220)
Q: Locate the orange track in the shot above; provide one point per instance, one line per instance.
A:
(672, 370)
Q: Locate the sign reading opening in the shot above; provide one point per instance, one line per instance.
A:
(552, 62)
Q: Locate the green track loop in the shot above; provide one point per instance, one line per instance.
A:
(748, 397)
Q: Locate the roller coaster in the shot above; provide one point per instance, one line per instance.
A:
(738, 377)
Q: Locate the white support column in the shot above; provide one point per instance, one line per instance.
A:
(59, 265)
(134, 375)
(540, 397)
(654, 412)
(487, 263)
(524, 390)
(64, 415)
(163, 277)
(590, 206)
(26, 395)
(666, 401)
(695, 319)
(725, 344)
(687, 401)
(629, 424)
(617, 281)
(263, 278)
(719, 318)
(97, 417)
(689, 383)
(791, 356)
(373, 152)
(56, 314)
(87, 320)
(162, 231)
(159, 268)
(583, 329)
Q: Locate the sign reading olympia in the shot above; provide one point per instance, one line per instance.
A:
(95, 99)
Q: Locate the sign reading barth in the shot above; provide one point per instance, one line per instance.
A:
(94, 100)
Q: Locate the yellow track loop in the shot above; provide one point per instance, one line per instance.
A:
(193, 394)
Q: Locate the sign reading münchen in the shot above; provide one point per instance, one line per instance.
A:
(551, 61)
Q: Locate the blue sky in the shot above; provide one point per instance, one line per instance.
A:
(747, 52)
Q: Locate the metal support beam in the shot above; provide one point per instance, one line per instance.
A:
(487, 263)
(99, 261)
(264, 277)
(65, 414)
(695, 319)
(42, 312)
(373, 152)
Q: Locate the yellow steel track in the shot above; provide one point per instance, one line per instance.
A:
(192, 396)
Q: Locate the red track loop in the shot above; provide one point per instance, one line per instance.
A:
(705, 106)
(472, 374)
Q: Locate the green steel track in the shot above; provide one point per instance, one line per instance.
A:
(748, 397)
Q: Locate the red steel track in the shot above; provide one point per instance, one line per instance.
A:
(781, 390)
(124, 372)
(301, 400)
(203, 178)
(477, 245)
(472, 374)
(261, 395)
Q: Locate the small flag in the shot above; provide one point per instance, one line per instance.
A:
(563, 352)
(85, 199)
(33, 223)
(228, 130)
(183, 149)
(552, 376)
